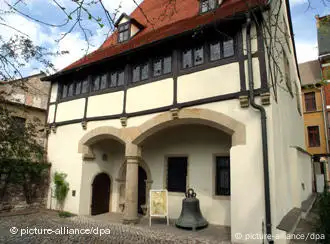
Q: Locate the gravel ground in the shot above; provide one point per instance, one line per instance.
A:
(112, 232)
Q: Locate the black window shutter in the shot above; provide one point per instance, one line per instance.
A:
(177, 174)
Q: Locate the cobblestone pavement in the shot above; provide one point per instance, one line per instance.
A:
(305, 231)
(114, 232)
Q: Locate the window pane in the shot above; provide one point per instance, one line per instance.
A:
(64, 91)
(78, 88)
(103, 81)
(71, 89)
(158, 67)
(198, 56)
(85, 86)
(212, 4)
(121, 78)
(215, 51)
(96, 83)
(121, 36)
(136, 74)
(204, 6)
(167, 65)
(313, 136)
(310, 102)
(187, 59)
(145, 72)
(126, 35)
(228, 48)
(222, 176)
(176, 174)
(113, 80)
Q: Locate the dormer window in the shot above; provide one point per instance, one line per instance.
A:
(123, 32)
(127, 27)
(207, 5)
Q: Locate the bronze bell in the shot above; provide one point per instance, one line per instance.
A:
(191, 216)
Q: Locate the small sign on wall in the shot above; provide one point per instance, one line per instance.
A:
(158, 204)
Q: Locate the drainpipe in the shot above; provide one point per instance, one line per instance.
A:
(263, 132)
(325, 117)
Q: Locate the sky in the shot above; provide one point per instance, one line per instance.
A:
(303, 20)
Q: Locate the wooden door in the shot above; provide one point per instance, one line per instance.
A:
(100, 194)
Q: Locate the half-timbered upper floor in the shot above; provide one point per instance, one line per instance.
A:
(196, 58)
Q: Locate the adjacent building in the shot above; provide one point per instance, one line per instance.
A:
(27, 100)
(315, 114)
(180, 96)
(323, 35)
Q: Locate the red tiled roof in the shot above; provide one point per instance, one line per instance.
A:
(165, 18)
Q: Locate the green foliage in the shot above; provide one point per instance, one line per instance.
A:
(323, 207)
(64, 214)
(19, 141)
(61, 187)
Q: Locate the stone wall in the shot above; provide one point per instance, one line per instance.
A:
(14, 199)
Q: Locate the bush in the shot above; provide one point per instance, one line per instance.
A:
(64, 214)
(61, 187)
(323, 207)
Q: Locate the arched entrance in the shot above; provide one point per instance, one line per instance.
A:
(100, 194)
(141, 189)
(144, 185)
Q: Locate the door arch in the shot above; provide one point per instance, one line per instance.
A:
(100, 194)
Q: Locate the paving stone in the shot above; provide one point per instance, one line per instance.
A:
(119, 233)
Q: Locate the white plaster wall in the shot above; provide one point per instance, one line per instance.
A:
(115, 155)
(51, 113)
(305, 175)
(200, 144)
(106, 104)
(53, 92)
(149, 96)
(256, 73)
(70, 110)
(63, 154)
(208, 83)
(254, 40)
(123, 20)
(64, 157)
(134, 30)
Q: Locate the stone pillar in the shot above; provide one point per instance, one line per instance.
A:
(131, 196)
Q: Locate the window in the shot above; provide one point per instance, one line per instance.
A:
(207, 5)
(192, 57)
(123, 32)
(140, 72)
(297, 98)
(177, 174)
(71, 89)
(103, 81)
(228, 48)
(287, 73)
(64, 90)
(85, 86)
(198, 56)
(215, 53)
(117, 79)
(19, 124)
(187, 59)
(78, 88)
(162, 66)
(313, 136)
(222, 176)
(310, 103)
(96, 83)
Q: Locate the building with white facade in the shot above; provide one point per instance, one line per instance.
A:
(181, 97)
